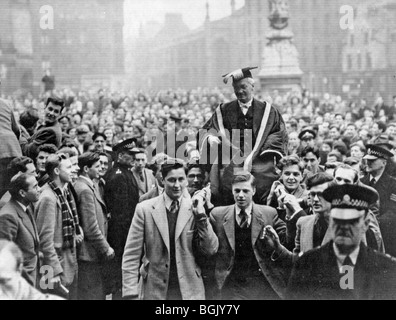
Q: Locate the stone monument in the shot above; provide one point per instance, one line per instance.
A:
(280, 68)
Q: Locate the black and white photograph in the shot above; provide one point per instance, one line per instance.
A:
(210, 151)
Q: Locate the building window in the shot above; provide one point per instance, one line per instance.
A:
(349, 62)
(368, 61)
(359, 61)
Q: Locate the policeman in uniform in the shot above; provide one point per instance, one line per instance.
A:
(121, 196)
(376, 159)
(345, 268)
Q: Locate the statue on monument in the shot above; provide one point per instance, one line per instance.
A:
(279, 13)
(280, 67)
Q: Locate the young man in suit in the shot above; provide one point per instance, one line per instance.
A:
(243, 262)
(58, 224)
(345, 268)
(143, 176)
(17, 223)
(48, 133)
(94, 249)
(166, 234)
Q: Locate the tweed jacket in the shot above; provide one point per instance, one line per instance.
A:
(146, 260)
(93, 214)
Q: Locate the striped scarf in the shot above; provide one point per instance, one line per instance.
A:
(70, 223)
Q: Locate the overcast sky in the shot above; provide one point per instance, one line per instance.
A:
(194, 11)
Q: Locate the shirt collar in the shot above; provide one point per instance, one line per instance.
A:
(248, 211)
(341, 257)
(87, 179)
(22, 205)
(247, 104)
(168, 201)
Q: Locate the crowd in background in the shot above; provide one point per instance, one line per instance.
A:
(325, 127)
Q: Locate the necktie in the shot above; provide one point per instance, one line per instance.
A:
(174, 208)
(372, 182)
(141, 176)
(245, 108)
(244, 224)
(348, 262)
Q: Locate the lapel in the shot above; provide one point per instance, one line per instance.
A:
(307, 234)
(161, 220)
(229, 226)
(257, 223)
(258, 112)
(183, 217)
(327, 236)
(330, 262)
(94, 190)
(231, 112)
(26, 220)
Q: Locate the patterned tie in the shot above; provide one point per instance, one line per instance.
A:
(244, 224)
(348, 262)
(174, 208)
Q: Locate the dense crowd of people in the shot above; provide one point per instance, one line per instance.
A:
(119, 194)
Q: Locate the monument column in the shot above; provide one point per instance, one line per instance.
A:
(280, 68)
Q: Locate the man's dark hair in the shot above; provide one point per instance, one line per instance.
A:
(318, 179)
(291, 161)
(48, 148)
(381, 125)
(172, 164)
(193, 165)
(244, 176)
(99, 134)
(307, 150)
(88, 159)
(18, 164)
(29, 118)
(55, 101)
(18, 183)
(329, 142)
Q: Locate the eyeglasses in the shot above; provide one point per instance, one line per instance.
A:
(315, 194)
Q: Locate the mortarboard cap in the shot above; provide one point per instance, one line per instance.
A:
(239, 74)
(348, 199)
(375, 151)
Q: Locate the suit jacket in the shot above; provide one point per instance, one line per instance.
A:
(16, 225)
(316, 275)
(9, 132)
(223, 221)
(44, 134)
(48, 214)
(93, 214)
(146, 261)
(155, 192)
(150, 180)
